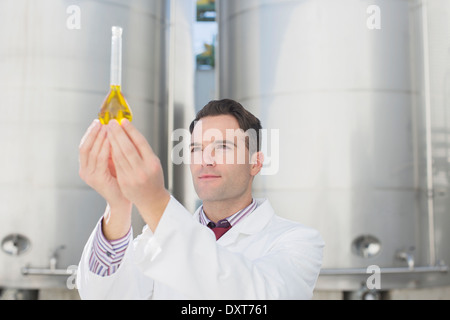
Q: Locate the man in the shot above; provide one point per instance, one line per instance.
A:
(233, 247)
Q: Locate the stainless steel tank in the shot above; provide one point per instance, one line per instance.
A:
(54, 67)
(181, 110)
(434, 17)
(341, 83)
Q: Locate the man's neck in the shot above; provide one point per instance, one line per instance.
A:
(221, 209)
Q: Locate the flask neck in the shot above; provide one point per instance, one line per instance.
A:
(116, 59)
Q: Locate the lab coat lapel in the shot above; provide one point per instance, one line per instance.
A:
(251, 224)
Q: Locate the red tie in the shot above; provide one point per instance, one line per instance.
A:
(219, 230)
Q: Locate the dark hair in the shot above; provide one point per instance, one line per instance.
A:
(246, 119)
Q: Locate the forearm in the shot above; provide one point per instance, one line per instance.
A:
(109, 281)
(106, 256)
(117, 220)
(153, 209)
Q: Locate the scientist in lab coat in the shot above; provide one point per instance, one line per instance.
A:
(233, 247)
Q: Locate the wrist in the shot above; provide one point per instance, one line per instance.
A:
(117, 221)
(153, 209)
(121, 204)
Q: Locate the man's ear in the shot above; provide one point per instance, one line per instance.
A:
(256, 162)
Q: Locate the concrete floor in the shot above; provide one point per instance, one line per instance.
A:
(440, 293)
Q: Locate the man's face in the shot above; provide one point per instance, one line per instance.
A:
(220, 164)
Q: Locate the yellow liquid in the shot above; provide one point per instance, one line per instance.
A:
(115, 107)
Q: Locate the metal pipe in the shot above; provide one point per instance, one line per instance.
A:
(171, 90)
(429, 154)
(52, 270)
(389, 270)
(28, 271)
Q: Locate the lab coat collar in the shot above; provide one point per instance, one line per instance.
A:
(251, 224)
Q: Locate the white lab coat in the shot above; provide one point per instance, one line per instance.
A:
(262, 257)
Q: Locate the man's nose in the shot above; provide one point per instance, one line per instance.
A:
(208, 156)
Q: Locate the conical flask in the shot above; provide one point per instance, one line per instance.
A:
(115, 105)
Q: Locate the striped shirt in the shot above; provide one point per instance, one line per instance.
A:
(232, 220)
(106, 256)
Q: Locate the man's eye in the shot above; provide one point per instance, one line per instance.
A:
(223, 146)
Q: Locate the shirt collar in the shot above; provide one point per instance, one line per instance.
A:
(233, 219)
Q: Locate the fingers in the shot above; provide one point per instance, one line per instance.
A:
(94, 123)
(94, 159)
(131, 153)
(138, 139)
(104, 154)
(131, 142)
(124, 153)
(88, 141)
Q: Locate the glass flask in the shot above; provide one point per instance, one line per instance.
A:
(115, 105)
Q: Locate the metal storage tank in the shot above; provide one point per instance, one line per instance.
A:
(55, 68)
(435, 21)
(181, 97)
(343, 85)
